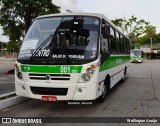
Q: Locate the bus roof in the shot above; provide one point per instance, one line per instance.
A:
(101, 16)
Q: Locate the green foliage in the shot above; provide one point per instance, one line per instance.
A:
(142, 40)
(132, 27)
(156, 38)
(12, 47)
(16, 16)
(150, 31)
(135, 28)
(146, 40)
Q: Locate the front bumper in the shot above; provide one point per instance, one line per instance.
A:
(75, 91)
(136, 61)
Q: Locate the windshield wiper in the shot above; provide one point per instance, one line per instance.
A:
(39, 48)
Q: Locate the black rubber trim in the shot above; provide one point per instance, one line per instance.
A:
(117, 72)
(113, 75)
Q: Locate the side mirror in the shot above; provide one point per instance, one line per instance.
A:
(106, 31)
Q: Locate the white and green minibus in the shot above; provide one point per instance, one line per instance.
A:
(136, 56)
(73, 56)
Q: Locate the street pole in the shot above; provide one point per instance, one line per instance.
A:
(151, 42)
(151, 48)
(2, 48)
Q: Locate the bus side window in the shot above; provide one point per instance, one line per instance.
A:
(104, 39)
(128, 47)
(118, 42)
(123, 44)
(126, 50)
(113, 40)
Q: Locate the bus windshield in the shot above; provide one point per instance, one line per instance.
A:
(73, 37)
(135, 53)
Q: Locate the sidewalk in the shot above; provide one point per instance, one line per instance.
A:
(6, 83)
(6, 80)
(6, 59)
(8, 97)
(5, 65)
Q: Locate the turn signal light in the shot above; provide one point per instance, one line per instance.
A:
(93, 66)
(15, 65)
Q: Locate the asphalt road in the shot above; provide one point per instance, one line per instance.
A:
(138, 96)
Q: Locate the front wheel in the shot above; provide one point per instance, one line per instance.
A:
(105, 89)
(101, 99)
(123, 78)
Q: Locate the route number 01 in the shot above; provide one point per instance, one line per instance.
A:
(65, 69)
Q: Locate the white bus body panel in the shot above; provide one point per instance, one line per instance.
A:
(89, 89)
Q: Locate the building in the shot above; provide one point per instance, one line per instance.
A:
(151, 51)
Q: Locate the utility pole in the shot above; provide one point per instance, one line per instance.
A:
(1, 42)
(151, 42)
(2, 48)
(151, 48)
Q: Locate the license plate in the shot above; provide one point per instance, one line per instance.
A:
(49, 98)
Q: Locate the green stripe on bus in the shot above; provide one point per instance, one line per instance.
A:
(114, 61)
(51, 69)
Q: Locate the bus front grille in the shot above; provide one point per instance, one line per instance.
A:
(35, 76)
(49, 91)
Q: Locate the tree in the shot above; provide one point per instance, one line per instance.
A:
(132, 27)
(156, 38)
(12, 47)
(150, 32)
(17, 15)
(142, 40)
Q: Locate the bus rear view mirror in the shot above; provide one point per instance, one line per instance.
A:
(106, 31)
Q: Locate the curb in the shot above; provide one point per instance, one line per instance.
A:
(7, 95)
(10, 99)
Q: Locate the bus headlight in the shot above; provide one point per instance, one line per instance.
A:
(19, 74)
(85, 77)
(90, 70)
(17, 71)
(87, 74)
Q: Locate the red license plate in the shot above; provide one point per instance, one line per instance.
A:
(49, 98)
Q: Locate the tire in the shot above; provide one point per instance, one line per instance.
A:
(106, 88)
(125, 71)
(123, 78)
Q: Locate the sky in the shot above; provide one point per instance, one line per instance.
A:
(142, 9)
